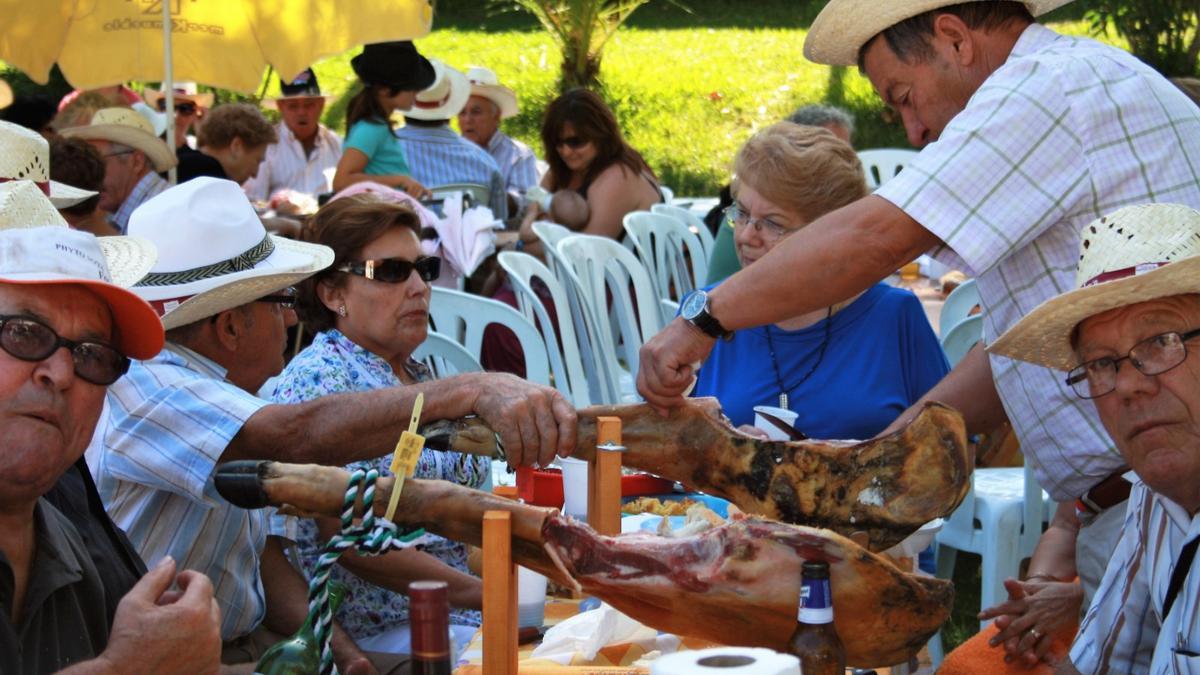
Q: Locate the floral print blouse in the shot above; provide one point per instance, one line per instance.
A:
(333, 364)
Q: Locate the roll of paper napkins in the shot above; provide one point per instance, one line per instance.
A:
(727, 661)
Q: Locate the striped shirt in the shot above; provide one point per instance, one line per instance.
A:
(516, 161)
(286, 166)
(170, 419)
(1124, 630)
(1065, 131)
(149, 185)
(439, 156)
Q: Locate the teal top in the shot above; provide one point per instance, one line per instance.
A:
(385, 156)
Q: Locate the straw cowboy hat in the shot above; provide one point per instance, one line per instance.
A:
(844, 26)
(445, 98)
(25, 155)
(485, 83)
(184, 91)
(304, 85)
(23, 205)
(214, 253)
(37, 247)
(127, 127)
(1138, 253)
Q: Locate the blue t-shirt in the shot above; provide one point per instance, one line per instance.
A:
(882, 356)
(385, 156)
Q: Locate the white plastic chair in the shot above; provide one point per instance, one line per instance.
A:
(463, 317)
(579, 382)
(670, 251)
(602, 266)
(550, 234)
(668, 195)
(958, 306)
(694, 222)
(962, 337)
(445, 357)
(882, 164)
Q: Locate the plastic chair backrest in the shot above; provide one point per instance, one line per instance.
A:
(962, 337)
(882, 164)
(694, 223)
(445, 357)
(550, 234)
(571, 376)
(958, 306)
(669, 250)
(668, 195)
(463, 318)
(603, 267)
(481, 195)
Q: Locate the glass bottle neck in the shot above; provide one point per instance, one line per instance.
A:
(816, 601)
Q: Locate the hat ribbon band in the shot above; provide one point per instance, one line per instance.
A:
(1123, 273)
(430, 105)
(43, 185)
(161, 307)
(238, 263)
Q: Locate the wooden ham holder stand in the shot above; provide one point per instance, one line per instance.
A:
(499, 572)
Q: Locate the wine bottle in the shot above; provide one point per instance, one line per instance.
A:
(301, 653)
(815, 641)
(429, 618)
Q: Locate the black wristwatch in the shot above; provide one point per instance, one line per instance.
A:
(695, 311)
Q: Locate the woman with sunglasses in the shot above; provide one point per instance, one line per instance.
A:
(370, 311)
(391, 74)
(846, 370)
(586, 152)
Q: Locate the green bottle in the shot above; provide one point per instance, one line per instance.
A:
(301, 653)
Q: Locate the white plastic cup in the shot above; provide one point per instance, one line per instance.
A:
(773, 432)
(575, 487)
(531, 598)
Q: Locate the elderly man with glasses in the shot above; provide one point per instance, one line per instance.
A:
(66, 332)
(1123, 337)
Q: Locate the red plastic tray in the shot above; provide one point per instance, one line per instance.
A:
(543, 487)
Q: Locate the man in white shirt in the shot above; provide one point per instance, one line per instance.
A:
(1123, 337)
(304, 159)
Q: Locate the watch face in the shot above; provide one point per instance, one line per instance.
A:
(693, 305)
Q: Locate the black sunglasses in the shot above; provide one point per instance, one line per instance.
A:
(395, 270)
(31, 340)
(183, 107)
(573, 142)
(285, 298)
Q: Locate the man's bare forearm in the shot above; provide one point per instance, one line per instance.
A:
(833, 258)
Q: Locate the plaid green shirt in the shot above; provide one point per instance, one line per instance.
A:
(1067, 130)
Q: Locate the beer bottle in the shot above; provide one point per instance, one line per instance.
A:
(429, 618)
(815, 641)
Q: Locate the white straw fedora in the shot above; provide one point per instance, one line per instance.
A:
(25, 155)
(23, 206)
(1138, 253)
(844, 26)
(184, 91)
(485, 83)
(214, 253)
(127, 127)
(445, 98)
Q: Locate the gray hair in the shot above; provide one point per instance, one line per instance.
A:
(822, 115)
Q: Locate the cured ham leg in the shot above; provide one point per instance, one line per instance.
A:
(736, 584)
(887, 488)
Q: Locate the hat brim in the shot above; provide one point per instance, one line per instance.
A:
(291, 262)
(204, 99)
(139, 331)
(269, 103)
(64, 196)
(502, 96)
(460, 91)
(1044, 335)
(128, 258)
(154, 148)
(844, 26)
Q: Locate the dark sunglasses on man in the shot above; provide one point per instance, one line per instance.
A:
(182, 107)
(286, 298)
(395, 270)
(31, 340)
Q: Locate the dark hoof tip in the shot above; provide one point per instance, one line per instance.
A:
(240, 483)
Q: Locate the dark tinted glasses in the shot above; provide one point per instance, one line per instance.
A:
(31, 340)
(573, 142)
(183, 107)
(395, 270)
(286, 298)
